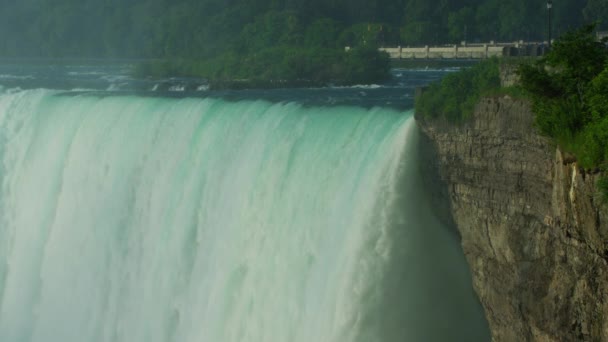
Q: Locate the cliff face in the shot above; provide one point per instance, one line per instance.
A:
(533, 228)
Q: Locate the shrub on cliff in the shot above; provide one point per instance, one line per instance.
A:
(560, 83)
(569, 90)
(603, 186)
(454, 98)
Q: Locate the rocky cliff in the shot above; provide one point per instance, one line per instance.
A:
(533, 228)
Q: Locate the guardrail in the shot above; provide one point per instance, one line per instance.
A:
(468, 51)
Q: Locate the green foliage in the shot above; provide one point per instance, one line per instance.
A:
(454, 98)
(281, 66)
(364, 64)
(603, 187)
(577, 58)
(568, 88)
(460, 24)
(272, 28)
(597, 11)
(597, 96)
(208, 28)
(323, 33)
(367, 35)
(569, 91)
(592, 145)
(420, 32)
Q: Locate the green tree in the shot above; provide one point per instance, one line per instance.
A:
(323, 32)
(461, 24)
(453, 99)
(568, 89)
(420, 33)
(487, 21)
(597, 11)
(362, 34)
(272, 28)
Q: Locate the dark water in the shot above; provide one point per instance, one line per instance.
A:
(117, 79)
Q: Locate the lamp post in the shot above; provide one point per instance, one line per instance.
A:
(549, 8)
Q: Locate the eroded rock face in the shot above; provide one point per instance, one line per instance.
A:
(533, 228)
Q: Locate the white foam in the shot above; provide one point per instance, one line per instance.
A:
(86, 73)
(130, 219)
(361, 86)
(177, 88)
(16, 77)
(147, 220)
(82, 89)
(203, 87)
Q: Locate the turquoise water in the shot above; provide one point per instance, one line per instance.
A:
(132, 219)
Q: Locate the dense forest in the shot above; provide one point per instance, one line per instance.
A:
(203, 28)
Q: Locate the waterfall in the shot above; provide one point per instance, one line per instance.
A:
(136, 219)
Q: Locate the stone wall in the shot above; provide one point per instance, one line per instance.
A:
(533, 228)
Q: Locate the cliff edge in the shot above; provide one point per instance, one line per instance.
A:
(533, 227)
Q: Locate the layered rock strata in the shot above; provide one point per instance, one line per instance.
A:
(533, 227)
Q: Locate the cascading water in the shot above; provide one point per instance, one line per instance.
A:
(137, 219)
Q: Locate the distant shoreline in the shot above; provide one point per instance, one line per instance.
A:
(394, 63)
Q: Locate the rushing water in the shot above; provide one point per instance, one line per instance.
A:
(138, 218)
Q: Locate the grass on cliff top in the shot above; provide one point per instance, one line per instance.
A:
(455, 96)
